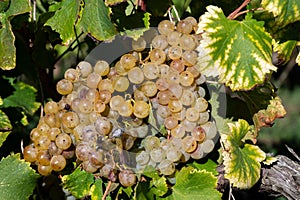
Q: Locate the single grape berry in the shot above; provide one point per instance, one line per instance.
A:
(127, 178)
(58, 163)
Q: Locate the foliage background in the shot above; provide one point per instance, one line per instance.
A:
(42, 56)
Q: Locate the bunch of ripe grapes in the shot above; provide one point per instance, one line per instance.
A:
(147, 109)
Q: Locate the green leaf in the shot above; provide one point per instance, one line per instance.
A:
(159, 186)
(17, 178)
(285, 11)
(285, 50)
(17, 7)
(7, 46)
(95, 20)
(96, 190)
(136, 33)
(78, 183)
(4, 5)
(241, 50)
(181, 6)
(64, 20)
(257, 98)
(23, 97)
(209, 166)
(125, 190)
(195, 184)
(142, 191)
(5, 127)
(241, 160)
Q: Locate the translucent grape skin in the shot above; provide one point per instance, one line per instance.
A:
(64, 87)
(166, 167)
(30, 153)
(127, 178)
(58, 163)
(63, 141)
(44, 170)
(189, 144)
(165, 27)
(141, 109)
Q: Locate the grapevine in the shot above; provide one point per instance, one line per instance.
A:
(98, 103)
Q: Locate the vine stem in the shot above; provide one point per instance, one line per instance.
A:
(107, 190)
(236, 12)
(246, 11)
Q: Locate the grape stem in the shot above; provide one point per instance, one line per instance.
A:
(106, 190)
(246, 11)
(235, 13)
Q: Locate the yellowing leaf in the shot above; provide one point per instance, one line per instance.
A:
(285, 50)
(7, 42)
(298, 59)
(5, 127)
(95, 20)
(285, 11)
(96, 191)
(7, 47)
(270, 160)
(64, 20)
(241, 160)
(241, 49)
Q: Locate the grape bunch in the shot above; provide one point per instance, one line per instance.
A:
(148, 108)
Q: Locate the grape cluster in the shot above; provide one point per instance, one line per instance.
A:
(148, 108)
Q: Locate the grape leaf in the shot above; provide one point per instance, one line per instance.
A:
(285, 11)
(298, 59)
(5, 127)
(17, 178)
(23, 97)
(17, 7)
(125, 190)
(242, 50)
(7, 48)
(64, 20)
(269, 160)
(209, 166)
(266, 117)
(96, 191)
(78, 183)
(142, 192)
(284, 50)
(159, 186)
(257, 98)
(241, 160)
(194, 184)
(156, 187)
(95, 20)
(4, 5)
(138, 32)
(181, 6)
(113, 2)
